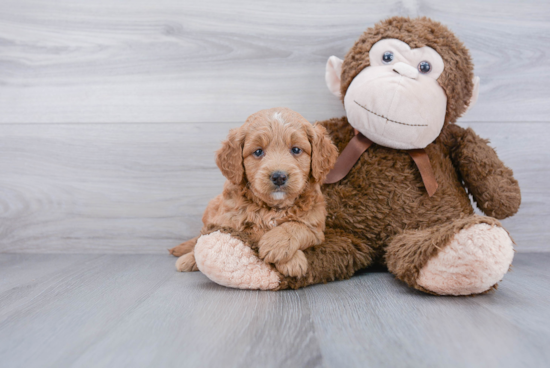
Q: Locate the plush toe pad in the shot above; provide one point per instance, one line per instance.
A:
(228, 262)
(475, 260)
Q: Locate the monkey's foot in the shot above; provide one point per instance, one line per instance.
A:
(475, 260)
(229, 262)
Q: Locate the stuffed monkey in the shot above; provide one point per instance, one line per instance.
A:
(399, 194)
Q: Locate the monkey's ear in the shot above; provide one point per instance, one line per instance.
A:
(229, 157)
(333, 74)
(475, 93)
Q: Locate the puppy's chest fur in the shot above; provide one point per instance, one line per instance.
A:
(243, 213)
(256, 220)
(258, 223)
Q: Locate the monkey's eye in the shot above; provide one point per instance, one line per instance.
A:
(259, 152)
(296, 150)
(387, 57)
(424, 67)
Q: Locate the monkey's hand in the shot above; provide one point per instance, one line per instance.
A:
(490, 182)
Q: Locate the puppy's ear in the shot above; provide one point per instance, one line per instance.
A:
(229, 157)
(323, 153)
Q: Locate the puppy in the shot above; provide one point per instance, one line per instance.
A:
(274, 164)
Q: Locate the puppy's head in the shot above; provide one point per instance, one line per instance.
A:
(277, 152)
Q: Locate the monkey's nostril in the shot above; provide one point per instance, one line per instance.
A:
(278, 178)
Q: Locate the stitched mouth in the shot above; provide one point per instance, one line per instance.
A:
(388, 119)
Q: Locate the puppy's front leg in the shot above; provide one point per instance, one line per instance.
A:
(283, 244)
(295, 267)
(277, 245)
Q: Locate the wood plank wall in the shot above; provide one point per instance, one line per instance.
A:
(110, 111)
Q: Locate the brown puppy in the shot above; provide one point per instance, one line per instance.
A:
(275, 164)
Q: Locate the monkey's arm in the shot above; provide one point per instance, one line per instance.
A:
(490, 182)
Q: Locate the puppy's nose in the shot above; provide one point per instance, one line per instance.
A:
(278, 178)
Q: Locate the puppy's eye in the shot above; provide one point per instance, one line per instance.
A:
(387, 57)
(296, 150)
(258, 153)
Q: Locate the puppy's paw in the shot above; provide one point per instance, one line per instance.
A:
(186, 263)
(275, 246)
(183, 248)
(295, 267)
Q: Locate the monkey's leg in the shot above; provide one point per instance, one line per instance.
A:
(227, 258)
(337, 258)
(464, 257)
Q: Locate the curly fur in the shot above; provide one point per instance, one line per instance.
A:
(280, 228)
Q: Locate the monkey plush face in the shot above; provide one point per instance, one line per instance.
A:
(397, 99)
(397, 89)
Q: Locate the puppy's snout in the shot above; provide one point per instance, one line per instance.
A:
(279, 178)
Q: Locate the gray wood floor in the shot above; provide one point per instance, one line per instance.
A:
(136, 310)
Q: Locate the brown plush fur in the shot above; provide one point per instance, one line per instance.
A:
(280, 228)
(380, 212)
(373, 212)
(416, 247)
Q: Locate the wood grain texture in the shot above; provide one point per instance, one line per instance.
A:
(135, 310)
(217, 61)
(106, 188)
(380, 322)
(142, 188)
(120, 311)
